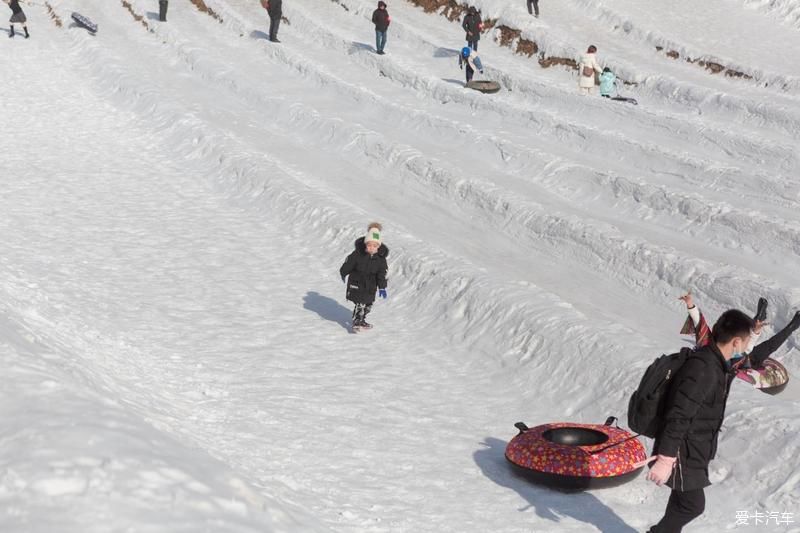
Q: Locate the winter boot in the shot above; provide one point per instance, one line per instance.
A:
(761, 314)
(27, 35)
(11, 35)
(365, 325)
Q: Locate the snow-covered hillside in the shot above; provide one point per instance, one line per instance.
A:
(177, 199)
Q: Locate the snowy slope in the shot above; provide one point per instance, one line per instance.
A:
(178, 200)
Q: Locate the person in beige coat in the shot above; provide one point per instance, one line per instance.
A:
(587, 69)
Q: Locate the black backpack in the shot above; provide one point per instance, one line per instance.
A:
(646, 406)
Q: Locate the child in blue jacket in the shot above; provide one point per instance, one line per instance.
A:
(607, 83)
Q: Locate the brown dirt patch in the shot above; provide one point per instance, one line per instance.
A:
(203, 8)
(137, 17)
(511, 38)
(547, 62)
(711, 66)
(53, 15)
(450, 9)
(508, 36)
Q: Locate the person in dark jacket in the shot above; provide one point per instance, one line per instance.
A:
(535, 5)
(275, 12)
(472, 25)
(17, 17)
(381, 19)
(365, 269)
(695, 410)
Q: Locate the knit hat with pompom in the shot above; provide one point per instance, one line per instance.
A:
(373, 233)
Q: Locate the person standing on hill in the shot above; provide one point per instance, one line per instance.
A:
(473, 25)
(364, 272)
(608, 81)
(587, 69)
(17, 17)
(535, 5)
(381, 19)
(275, 11)
(470, 58)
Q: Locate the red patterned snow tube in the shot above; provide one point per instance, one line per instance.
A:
(570, 456)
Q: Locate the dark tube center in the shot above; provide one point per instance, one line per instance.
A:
(575, 436)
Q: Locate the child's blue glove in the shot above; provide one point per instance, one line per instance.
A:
(382, 293)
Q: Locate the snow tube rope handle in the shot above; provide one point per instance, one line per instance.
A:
(521, 427)
(604, 448)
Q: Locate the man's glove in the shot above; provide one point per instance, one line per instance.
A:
(382, 293)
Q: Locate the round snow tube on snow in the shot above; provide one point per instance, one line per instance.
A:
(484, 86)
(571, 457)
(771, 378)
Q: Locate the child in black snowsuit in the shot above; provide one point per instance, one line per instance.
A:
(366, 268)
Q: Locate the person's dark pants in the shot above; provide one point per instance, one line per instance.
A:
(682, 508)
(162, 10)
(535, 5)
(470, 73)
(473, 44)
(380, 40)
(274, 22)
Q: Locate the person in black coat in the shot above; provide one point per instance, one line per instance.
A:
(381, 19)
(695, 410)
(472, 25)
(275, 12)
(365, 269)
(18, 17)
